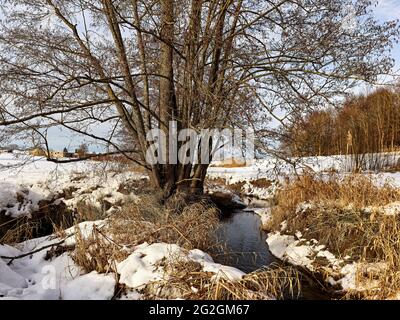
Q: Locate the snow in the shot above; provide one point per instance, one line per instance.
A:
(209, 265)
(25, 181)
(32, 277)
(265, 216)
(35, 278)
(16, 200)
(28, 170)
(304, 253)
(9, 278)
(276, 170)
(348, 282)
(140, 267)
(85, 229)
(391, 209)
(300, 252)
(143, 265)
(91, 286)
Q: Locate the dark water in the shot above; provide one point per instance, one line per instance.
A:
(246, 242)
(248, 251)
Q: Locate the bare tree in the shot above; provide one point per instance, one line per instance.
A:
(202, 63)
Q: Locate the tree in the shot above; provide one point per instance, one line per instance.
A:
(138, 65)
(364, 126)
(82, 151)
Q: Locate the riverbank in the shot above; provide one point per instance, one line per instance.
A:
(339, 229)
(343, 229)
(338, 226)
(122, 243)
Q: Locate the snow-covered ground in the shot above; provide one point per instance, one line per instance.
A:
(276, 170)
(25, 181)
(35, 276)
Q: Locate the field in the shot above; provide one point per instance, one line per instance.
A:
(98, 226)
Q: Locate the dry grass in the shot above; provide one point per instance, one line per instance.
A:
(337, 217)
(87, 211)
(21, 229)
(40, 223)
(149, 221)
(191, 226)
(97, 252)
(261, 183)
(187, 280)
(146, 220)
(230, 163)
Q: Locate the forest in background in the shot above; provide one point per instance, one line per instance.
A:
(366, 123)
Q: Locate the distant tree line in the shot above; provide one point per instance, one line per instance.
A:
(368, 123)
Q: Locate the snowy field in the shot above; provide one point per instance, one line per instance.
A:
(32, 275)
(33, 179)
(274, 168)
(25, 181)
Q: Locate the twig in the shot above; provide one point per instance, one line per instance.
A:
(33, 252)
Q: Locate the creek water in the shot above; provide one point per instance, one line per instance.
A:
(246, 242)
(247, 249)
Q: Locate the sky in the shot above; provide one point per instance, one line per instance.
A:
(385, 10)
(390, 10)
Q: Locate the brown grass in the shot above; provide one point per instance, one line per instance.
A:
(97, 252)
(146, 220)
(149, 221)
(261, 183)
(187, 280)
(87, 211)
(40, 223)
(230, 163)
(22, 229)
(337, 217)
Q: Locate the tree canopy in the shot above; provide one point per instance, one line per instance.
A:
(133, 66)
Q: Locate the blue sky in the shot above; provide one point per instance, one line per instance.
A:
(390, 10)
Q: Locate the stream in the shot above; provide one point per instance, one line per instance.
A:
(245, 241)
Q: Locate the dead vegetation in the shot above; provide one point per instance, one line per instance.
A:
(239, 187)
(44, 221)
(346, 215)
(187, 280)
(192, 226)
(147, 220)
(230, 163)
(97, 252)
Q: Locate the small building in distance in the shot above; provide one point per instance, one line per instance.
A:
(56, 154)
(40, 152)
(37, 152)
(9, 149)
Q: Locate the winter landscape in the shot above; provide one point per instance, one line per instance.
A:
(199, 150)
